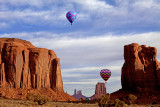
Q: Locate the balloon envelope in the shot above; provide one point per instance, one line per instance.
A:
(105, 74)
(71, 16)
(81, 99)
(86, 98)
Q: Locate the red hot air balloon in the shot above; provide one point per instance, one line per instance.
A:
(105, 74)
(81, 99)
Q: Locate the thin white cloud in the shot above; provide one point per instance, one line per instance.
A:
(129, 13)
(94, 81)
(30, 16)
(80, 83)
(18, 3)
(86, 69)
(3, 25)
(149, 4)
(93, 5)
(73, 75)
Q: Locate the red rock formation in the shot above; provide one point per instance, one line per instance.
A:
(99, 91)
(24, 66)
(141, 68)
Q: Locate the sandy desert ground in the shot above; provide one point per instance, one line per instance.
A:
(21, 103)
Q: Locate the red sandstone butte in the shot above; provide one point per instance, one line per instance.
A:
(25, 68)
(141, 70)
(99, 91)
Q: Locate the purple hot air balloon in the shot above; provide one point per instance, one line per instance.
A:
(105, 74)
(71, 16)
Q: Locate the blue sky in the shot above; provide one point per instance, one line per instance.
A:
(96, 39)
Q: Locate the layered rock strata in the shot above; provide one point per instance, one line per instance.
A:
(141, 68)
(24, 66)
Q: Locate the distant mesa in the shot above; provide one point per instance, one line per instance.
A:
(78, 94)
(99, 91)
(25, 68)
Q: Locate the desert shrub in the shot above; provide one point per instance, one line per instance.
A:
(130, 99)
(37, 98)
(41, 99)
(113, 103)
(120, 98)
(30, 96)
(110, 103)
(104, 98)
(119, 103)
(116, 103)
(1, 98)
(106, 102)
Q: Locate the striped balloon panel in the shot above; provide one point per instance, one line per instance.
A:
(105, 74)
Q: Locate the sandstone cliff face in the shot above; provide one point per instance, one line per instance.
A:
(24, 66)
(141, 68)
(99, 91)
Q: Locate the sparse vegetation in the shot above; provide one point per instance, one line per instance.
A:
(37, 98)
(106, 102)
(21, 103)
(104, 99)
(1, 98)
(30, 96)
(116, 103)
(16, 103)
(130, 99)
